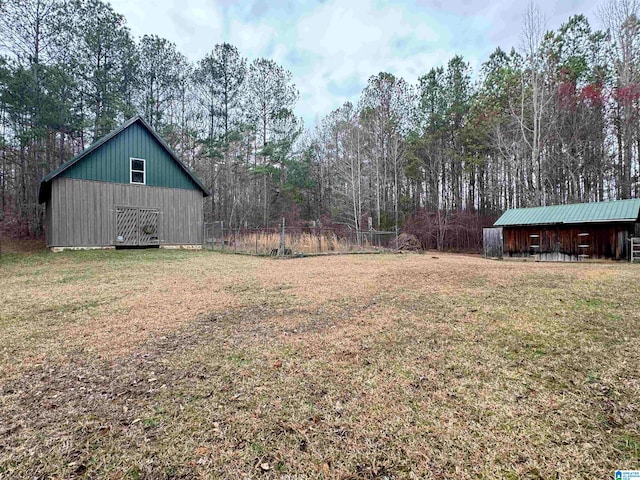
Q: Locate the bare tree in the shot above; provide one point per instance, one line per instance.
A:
(621, 19)
(534, 101)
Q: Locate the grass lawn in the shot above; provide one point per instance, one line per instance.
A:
(172, 364)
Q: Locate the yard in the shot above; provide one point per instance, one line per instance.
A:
(174, 364)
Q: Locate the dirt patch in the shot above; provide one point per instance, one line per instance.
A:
(105, 303)
(21, 246)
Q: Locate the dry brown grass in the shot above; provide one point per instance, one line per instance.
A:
(265, 243)
(152, 364)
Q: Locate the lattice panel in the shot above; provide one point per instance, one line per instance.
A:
(126, 226)
(149, 227)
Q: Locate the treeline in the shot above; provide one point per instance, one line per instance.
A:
(555, 120)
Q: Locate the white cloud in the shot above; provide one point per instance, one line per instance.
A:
(356, 40)
(251, 39)
(194, 26)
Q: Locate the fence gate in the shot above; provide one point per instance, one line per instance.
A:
(492, 242)
(136, 226)
(635, 249)
(148, 225)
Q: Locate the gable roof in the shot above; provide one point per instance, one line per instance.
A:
(45, 183)
(615, 211)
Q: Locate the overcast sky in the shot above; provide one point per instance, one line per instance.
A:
(332, 47)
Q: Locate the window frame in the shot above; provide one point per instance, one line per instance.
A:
(143, 171)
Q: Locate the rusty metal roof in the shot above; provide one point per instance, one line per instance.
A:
(615, 211)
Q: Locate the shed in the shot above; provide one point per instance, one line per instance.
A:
(581, 231)
(126, 189)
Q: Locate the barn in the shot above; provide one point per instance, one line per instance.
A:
(127, 189)
(583, 231)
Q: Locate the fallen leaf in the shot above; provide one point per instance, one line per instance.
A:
(202, 450)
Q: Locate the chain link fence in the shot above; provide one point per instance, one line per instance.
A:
(295, 241)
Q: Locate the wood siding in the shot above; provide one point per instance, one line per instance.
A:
(569, 243)
(81, 213)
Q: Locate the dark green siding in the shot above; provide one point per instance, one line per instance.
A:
(111, 161)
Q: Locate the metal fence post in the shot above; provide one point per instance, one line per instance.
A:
(282, 238)
(396, 234)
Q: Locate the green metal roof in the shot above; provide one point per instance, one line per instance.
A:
(67, 168)
(616, 211)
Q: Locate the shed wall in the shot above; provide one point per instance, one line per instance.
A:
(568, 242)
(81, 213)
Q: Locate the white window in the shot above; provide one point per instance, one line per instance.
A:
(138, 174)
